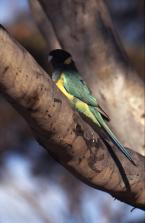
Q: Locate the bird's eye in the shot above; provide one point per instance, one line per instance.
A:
(68, 60)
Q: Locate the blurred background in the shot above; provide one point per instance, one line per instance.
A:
(33, 187)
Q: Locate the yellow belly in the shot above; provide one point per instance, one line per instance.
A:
(60, 85)
(84, 108)
(77, 104)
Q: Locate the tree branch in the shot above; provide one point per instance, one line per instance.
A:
(84, 28)
(44, 25)
(61, 131)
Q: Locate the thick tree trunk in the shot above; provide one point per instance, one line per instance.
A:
(84, 28)
(30, 90)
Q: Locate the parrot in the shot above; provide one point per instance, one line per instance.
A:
(70, 82)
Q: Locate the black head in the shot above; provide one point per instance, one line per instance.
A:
(58, 57)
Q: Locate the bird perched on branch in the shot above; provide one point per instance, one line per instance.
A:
(69, 81)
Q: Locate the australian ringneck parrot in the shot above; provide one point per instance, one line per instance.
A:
(69, 81)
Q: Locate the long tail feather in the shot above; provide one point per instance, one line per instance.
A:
(112, 136)
(117, 143)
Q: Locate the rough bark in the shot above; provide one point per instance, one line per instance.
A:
(62, 132)
(84, 28)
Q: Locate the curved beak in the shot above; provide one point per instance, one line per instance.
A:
(50, 58)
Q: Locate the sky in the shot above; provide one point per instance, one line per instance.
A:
(26, 198)
(9, 8)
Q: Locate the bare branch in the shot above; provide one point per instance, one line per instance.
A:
(61, 131)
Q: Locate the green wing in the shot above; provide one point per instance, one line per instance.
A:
(74, 84)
